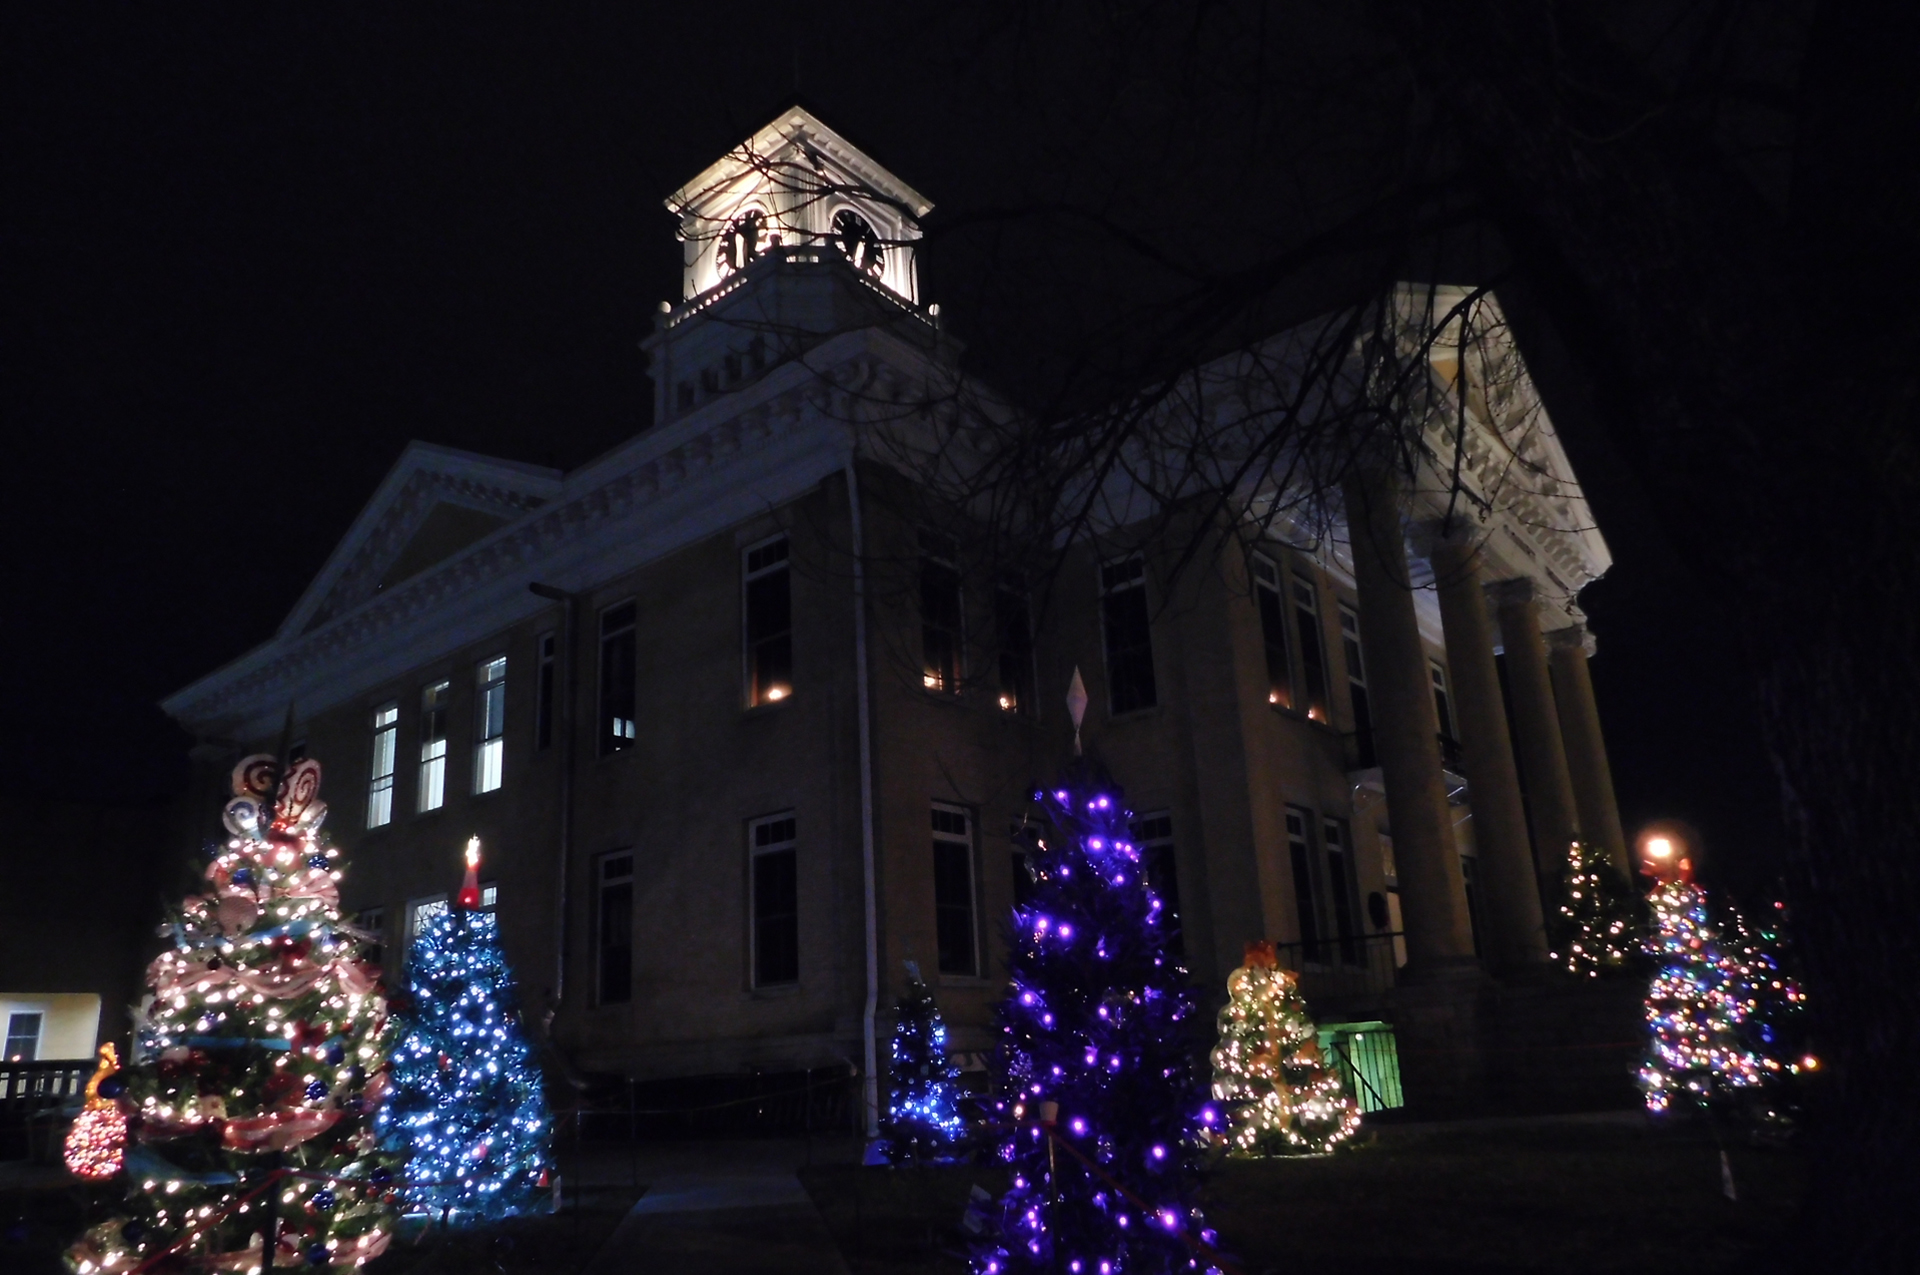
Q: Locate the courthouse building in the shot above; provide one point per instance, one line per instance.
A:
(742, 731)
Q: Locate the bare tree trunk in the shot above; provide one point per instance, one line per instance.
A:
(1753, 346)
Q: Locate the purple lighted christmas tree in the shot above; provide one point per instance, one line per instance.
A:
(1102, 1097)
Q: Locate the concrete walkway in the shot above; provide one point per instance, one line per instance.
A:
(723, 1207)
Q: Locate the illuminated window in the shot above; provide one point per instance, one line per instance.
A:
(1128, 635)
(619, 656)
(613, 928)
(433, 745)
(489, 895)
(1273, 632)
(1153, 833)
(544, 687)
(1364, 756)
(955, 933)
(1013, 618)
(23, 1036)
(1313, 663)
(774, 879)
(420, 911)
(769, 622)
(386, 735)
(1306, 882)
(940, 627)
(490, 724)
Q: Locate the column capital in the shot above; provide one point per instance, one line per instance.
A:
(1573, 637)
(1512, 593)
(1430, 535)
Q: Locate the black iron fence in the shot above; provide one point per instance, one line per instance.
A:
(1347, 966)
(31, 1096)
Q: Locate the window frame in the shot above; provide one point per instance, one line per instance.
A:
(39, 1017)
(607, 723)
(436, 698)
(752, 644)
(546, 649)
(1118, 657)
(1016, 659)
(966, 841)
(1359, 697)
(1307, 617)
(1343, 888)
(385, 720)
(373, 920)
(1159, 859)
(489, 725)
(939, 556)
(1270, 605)
(607, 881)
(1309, 912)
(774, 847)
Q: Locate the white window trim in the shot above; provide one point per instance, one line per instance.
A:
(971, 840)
(489, 751)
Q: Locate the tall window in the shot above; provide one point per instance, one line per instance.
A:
(1306, 894)
(1443, 713)
(373, 921)
(1313, 661)
(1364, 756)
(618, 665)
(769, 612)
(419, 912)
(940, 630)
(954, 929)
(433, 745)
(1273, 632)
(543, 693)
(1014, 620)
(386, 735)
(774, 863)
(490, 724)
(613, 928)
(1470, 877)
(1129, 637)
(1341, 889)
(1154, 834)
(23, 1036)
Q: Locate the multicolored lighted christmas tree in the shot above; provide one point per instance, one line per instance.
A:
(1595, 930)
(467, 1105)
(263, 1060)
(923, 1117)
(1695, 1007)
(1105, 1110)
(1275, 1092)
(1772, 1021)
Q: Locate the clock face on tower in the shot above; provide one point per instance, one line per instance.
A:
(744, 240)
(857, 242)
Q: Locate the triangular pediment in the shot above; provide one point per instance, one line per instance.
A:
(434, 503)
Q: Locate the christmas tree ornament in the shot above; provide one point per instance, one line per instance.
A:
(1274, 1090)
(923, 1120)
(1103, 1108)
(96, 1145)
(467, 1104)
(227, 1099)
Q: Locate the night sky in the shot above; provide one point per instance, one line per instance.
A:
(247, 258)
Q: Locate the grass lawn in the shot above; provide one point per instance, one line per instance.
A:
(1479, 1199)
(39, 1220)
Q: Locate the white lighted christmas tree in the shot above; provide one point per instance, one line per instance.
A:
(1594, 934)
(262, 1061)
(1274, 1089)
(923, 1118)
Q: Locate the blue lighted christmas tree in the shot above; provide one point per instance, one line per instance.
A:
(1101, 1093)
(923, 1121)
(466, 1102)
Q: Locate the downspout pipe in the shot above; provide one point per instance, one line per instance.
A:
(569, 607)
(870, 1080)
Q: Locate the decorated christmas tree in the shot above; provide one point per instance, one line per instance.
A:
(1595, 930)
(923, 1119)
(467, 1105)
(1276, 1094)
(1105, 1110)
(261, 1063)
(1696, 1055)
(1772, 1018)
